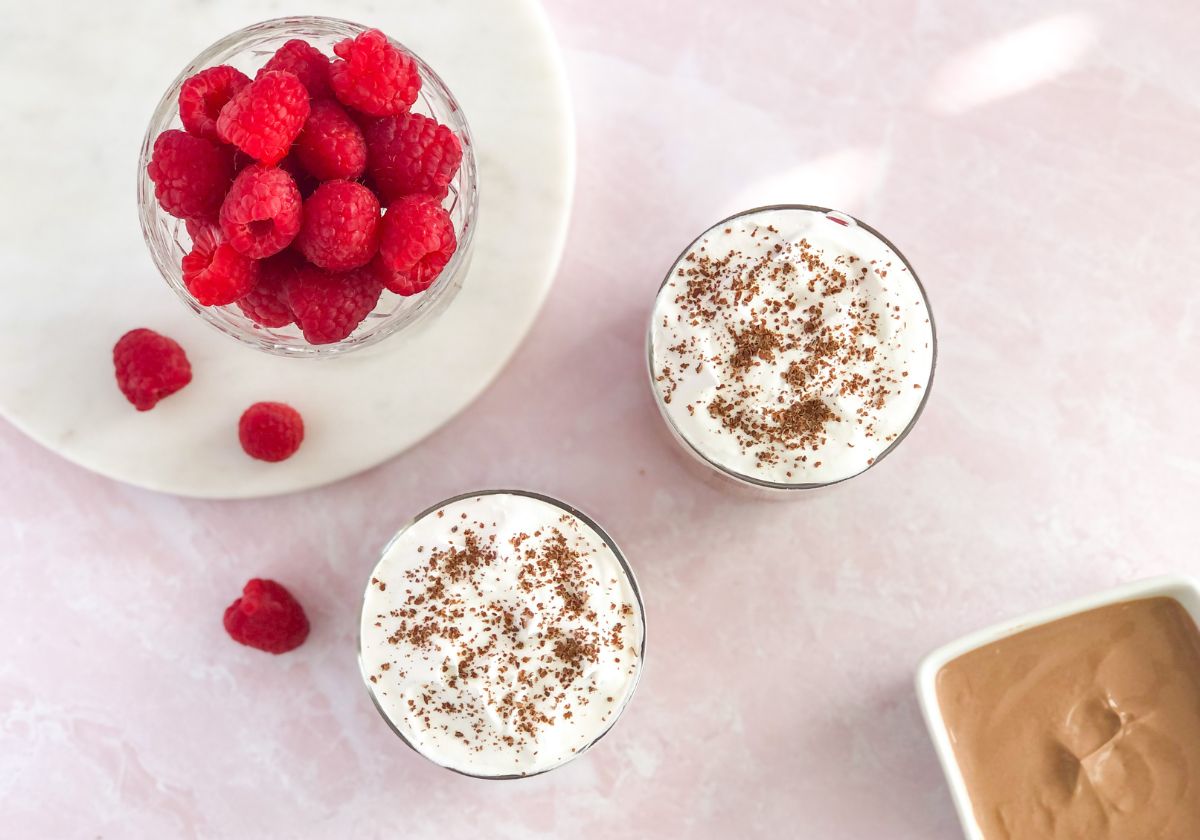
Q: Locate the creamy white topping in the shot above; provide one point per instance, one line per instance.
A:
(501, 635)
(791, 346)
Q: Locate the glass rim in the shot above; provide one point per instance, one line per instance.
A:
(149, 213)
(622, 562)
(753, 481)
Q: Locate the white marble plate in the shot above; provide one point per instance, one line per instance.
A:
(76, 274)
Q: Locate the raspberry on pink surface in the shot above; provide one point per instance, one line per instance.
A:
(416, 240)
(190, 174)
(266, 304)
(306, 63)
(215, 273)
(373, 75)
(411, 153)
(202, 96)
(266, 617)
(149, 367)
(264, 117)
(340, 228)
(329, 306)
(262, 212)
(331, 145)
(271, 431)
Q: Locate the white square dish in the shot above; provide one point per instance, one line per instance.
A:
(1182, 589)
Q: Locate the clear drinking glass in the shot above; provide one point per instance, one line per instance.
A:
(167, 238)
(624, 564)
(727, 477)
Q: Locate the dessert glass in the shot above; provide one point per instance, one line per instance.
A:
(633, 585)
(726, 477)
(248, 49)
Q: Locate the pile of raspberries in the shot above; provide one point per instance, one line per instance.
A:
(306, 191)
(310, 188)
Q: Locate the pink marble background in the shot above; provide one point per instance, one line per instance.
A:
(1038, 165)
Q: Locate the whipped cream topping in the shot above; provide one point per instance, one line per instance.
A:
(791, 346)
(501, 635)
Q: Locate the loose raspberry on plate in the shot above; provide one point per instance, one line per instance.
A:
(306, 62)
(411, 153)
(190, 174)
(261, 213)
(416, 240)
(329, 306)
(340, 228)
(149, 367)
(331, 145)
(266, 304)
(271, 431)
(266, 617)
(215, 273)
(374, 76)
(264, 117)
(202, 96)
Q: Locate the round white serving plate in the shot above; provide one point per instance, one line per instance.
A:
(77, 274)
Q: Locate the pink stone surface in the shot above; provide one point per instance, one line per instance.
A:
(1039, 168)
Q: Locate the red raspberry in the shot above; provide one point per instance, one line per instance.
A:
(266, 304)
(305, 182)
(331, 144)
(328, 306)
(241, 160)
(264, 117)
(190, 174)
(266, 617)
(411, 153)
(202, 96)
(375, 77)
(306, 62)
(195, 226)
(340, 226)
(215, 273)
(363, 121)
(271, 431)
(416, 240)
(261, 213)
(149, 367)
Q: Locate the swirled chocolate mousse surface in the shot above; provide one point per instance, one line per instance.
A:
(501, 635)
(1086, 728)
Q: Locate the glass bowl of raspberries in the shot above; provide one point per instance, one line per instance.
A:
(308, 186)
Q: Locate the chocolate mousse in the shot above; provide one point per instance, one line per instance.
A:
(1083, 728)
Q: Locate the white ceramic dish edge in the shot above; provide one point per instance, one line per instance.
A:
(1185, 590)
